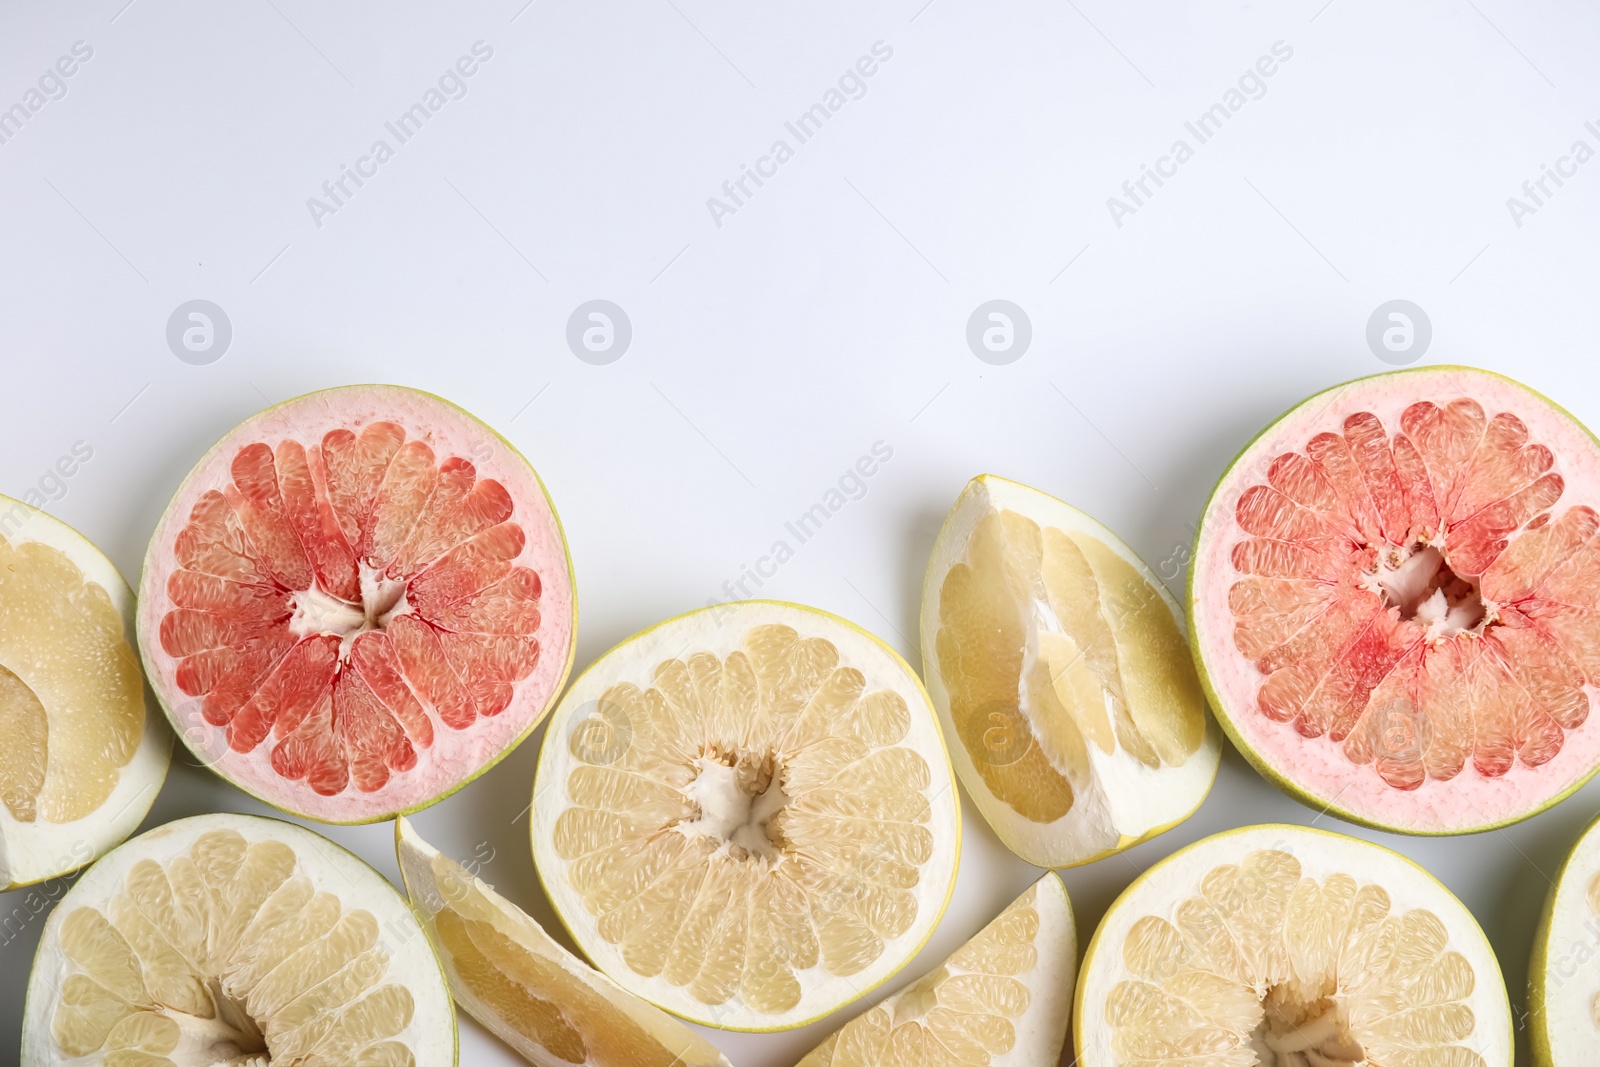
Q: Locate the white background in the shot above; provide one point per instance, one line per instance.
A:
(827, 314)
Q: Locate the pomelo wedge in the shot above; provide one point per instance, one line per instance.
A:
(1290, 947)
(745, 815)
(81, 756)
(1002, 1000)
(1058, 663)
(1564, 975)
(358, 601)
(537, 997)
(1395, 601)
(232, 939)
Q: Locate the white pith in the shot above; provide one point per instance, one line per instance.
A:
(1564, 986)
(729, 814)
(316, 612)
(1123, 801)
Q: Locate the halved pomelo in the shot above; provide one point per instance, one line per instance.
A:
(232, 939)
(1563, 978)
(1290, 947)
(358, 601)
(1395, 601)
(746, 815)
(537, 997)
(1002, 1000)
(1058, 663)
(81, 756)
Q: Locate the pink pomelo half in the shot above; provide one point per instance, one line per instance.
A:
(357, 601)
(1395, 601)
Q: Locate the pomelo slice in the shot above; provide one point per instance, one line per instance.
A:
(232, 939)
(81, 756)
(1290, 947)
(745, 815)
(358, 601)
(537, 997)
(1395, 601)
(1563, 979)
(1002, 1000)
(1058, 663)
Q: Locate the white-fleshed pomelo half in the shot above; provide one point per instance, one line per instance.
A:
(746, 815)
(1002, 1000)
(1058, 663)
(358, 601)
(537, 997)
(1282, 946)
(1564, 975)
(81, 756)
(1395, 601)
(233, 939)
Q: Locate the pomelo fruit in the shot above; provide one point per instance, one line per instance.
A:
(358, 601)
(1395, 601)
(745, 815)
(537, 997)
(233, 939)
(1002, 1000)
(1290, 947)
(1563, 977)
(81, 756)
(1058, 663)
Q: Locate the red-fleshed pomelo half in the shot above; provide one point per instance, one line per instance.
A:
(357, 601)
(1395, 601)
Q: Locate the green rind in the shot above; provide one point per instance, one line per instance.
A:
(7, 502)
(1078, 1014)
(555, 691)
(405, 897)
(1538, 1021)
(1225, 718)
(944, 747)
(1171, 601)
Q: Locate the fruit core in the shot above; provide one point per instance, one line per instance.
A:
(737, 799)
(1314, 1030)
(1418, 583)
(318, 612)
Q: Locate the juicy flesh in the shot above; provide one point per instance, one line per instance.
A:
(763, 819)
(961, 1014)
(339, 601)
(228, 955)
(1408, 593)
(1049, 643)
(1266, 967)
(495, 955)
(71, 693)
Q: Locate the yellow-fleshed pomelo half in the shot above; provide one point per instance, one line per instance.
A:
(238, 940)
(1564, 976)
(1062, 676)
(1002, 1000)
(746, 815)
(1290, 947)
(537, 997)
(81, 756)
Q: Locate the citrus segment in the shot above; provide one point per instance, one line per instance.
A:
(1058, 662)
(1394, 594)
(541, 1000)
(1002, 1000)
(745, 815)
(1563, 984)
(348, 617)
(233, 939)
(82, 760)
(1287, 946)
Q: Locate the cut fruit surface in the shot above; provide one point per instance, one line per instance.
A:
(537, 997)
(746, 815)
(1281, 946)
(1395, 601)
(1058, 663)
(1002, 1000)
(1563, 977)
(232, 939)
(357, 601)
(82, 757)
